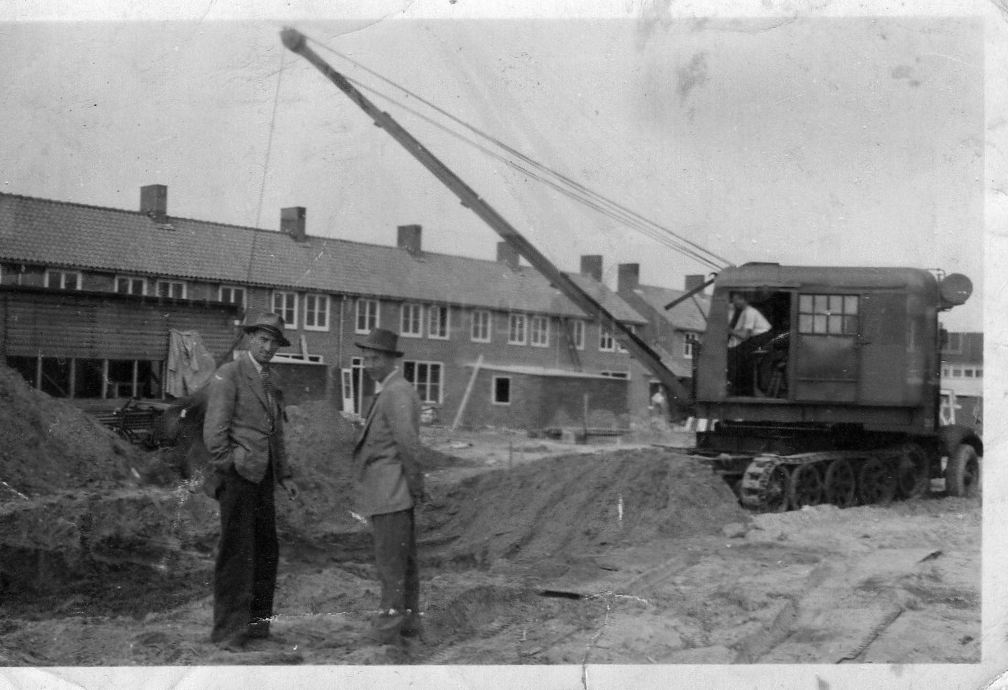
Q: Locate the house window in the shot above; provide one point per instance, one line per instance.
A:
(229, 294)
(316, 317)
(174, 289)
(131, 285)
(480, 326)
(63, 280)
(516, 329)
(953, 343)
(828, 314)
(578, 333)
(945, 372)
(690, 341)
(437, 322)
(615, 374)
(607, 343)
(501, 390)
(619, 345)
(285, 304)
(411, 320)
(367, 315)
(427, 378)
(539, 331)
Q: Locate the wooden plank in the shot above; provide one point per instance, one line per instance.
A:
(468, 391)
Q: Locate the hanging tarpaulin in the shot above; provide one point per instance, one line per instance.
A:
(190, 364)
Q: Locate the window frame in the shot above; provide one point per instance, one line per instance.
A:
(170, 283)
(579, 328)
(493, 390)
(604, 335)
(423, 389)
(690, 340)
(63, 273)
(440, 309)
(289, 324)
(545, 332)
(513, 318)
(477, 314)
(220, 294)
(131, 279)
(326, 301)
(413, 308)
(368, 303)
(810, 311)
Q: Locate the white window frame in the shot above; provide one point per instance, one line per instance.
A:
(412, 309)
(367, 315)
(544, 331)
(487, 326)
(493, 390)
(321, 311)
(514, 318)
(690, 341)
(63, 274)
(171, 284)
(288, 307)
(432, 321)
(131, 279)
(424, 393)
(232, 288)
(578, 329)
(607, 341)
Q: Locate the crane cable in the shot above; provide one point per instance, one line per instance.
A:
(560, 182)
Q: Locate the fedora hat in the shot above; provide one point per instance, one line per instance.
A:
(383, 341)
(272, 324)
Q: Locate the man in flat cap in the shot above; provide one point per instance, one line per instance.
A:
(243, 432)
(387, 460)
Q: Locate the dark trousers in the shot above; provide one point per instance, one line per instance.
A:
(246, 568)
(396, 562)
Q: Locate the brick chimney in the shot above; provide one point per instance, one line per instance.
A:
(154, 201)
(408, 238)
(591, 265)
(508, 255)
(627, 277)
(292, 222)
(694, 281)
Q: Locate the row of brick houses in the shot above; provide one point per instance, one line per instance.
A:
(526, 354)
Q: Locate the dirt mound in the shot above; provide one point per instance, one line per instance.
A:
(578, 503)
(320, 449)
(48, 445)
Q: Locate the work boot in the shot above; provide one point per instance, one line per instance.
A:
(235, 643)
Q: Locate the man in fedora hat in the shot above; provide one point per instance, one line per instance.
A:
(243, 432)
(387, 459)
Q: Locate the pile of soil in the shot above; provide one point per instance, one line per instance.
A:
(47, 445)
(580, 503)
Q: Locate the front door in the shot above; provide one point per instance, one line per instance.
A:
(826, 359)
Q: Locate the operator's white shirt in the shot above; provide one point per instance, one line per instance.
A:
(750, 318)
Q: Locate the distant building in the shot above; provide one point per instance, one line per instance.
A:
(962, 378)
(675, 334)
(450, 311)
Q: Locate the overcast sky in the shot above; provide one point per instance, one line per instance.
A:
(798, 139)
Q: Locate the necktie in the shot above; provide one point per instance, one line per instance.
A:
(267, 379)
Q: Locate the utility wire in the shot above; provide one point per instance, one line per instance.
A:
(266, 162)
(560, 182)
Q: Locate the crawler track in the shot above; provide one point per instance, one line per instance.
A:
(773, 483)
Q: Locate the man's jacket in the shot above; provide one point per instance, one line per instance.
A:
(240, 429)
(387, 454)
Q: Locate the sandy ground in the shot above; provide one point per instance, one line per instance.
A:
(614, 566)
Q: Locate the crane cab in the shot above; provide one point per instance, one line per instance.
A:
(848, 351)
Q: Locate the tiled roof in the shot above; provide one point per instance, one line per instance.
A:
(56, 233)
(685, 315)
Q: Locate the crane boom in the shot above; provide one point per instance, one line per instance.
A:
(295, 41)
